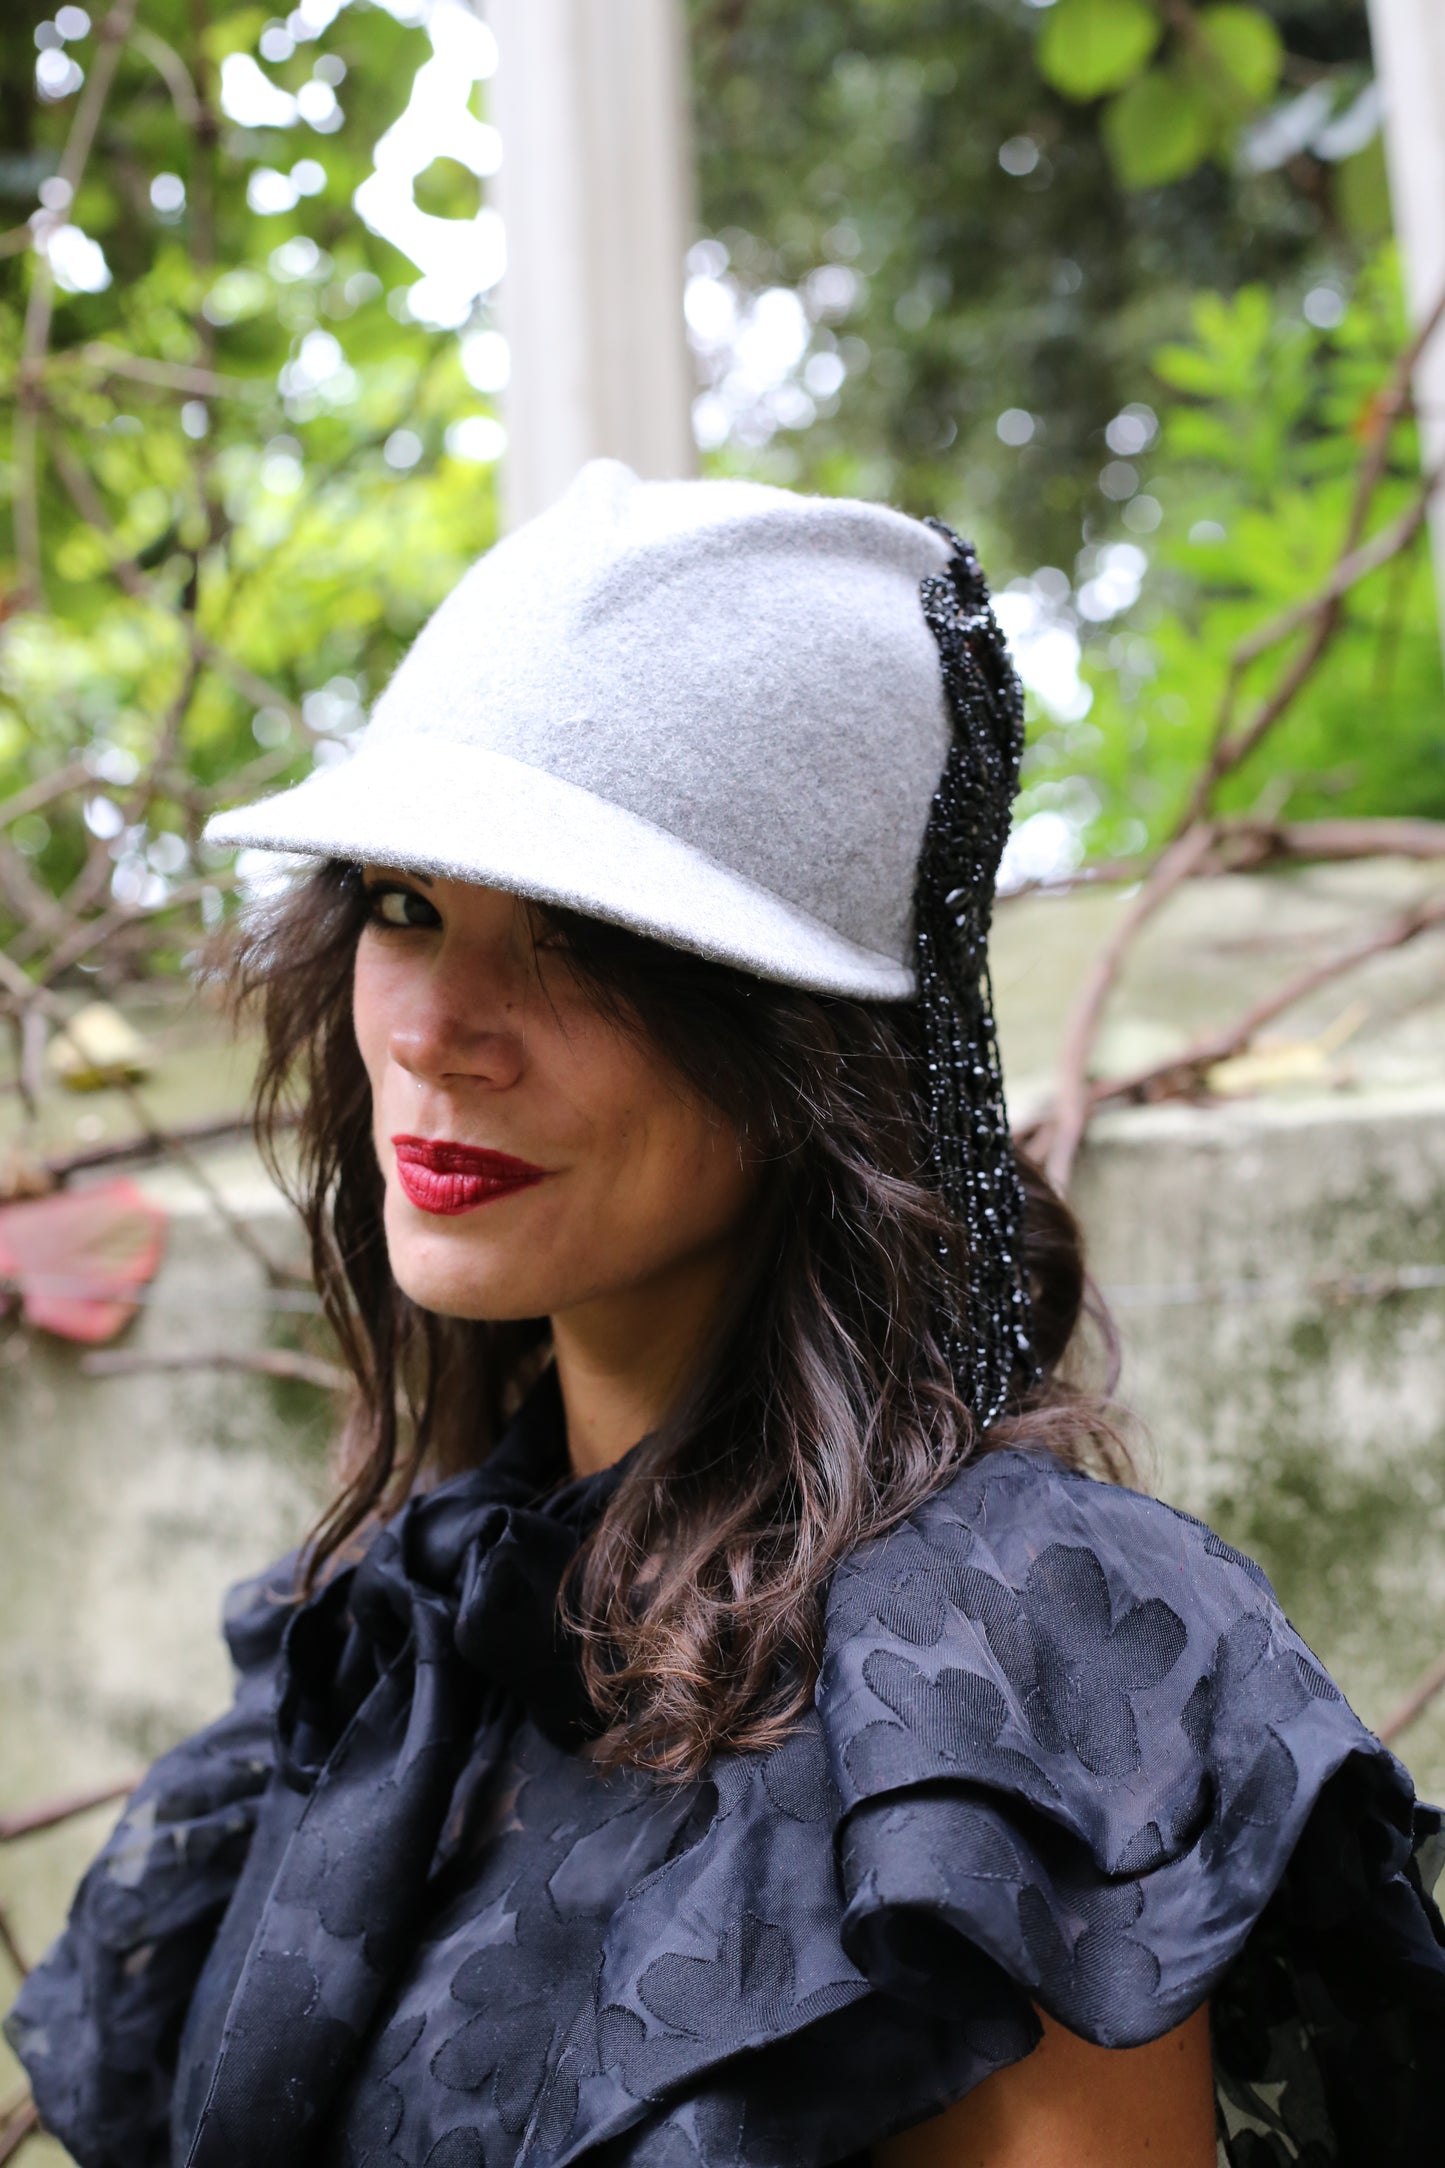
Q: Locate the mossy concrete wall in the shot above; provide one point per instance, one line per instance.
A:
(128, 1505)
(1303, 1419)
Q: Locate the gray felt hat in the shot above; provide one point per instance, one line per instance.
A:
(710, 711)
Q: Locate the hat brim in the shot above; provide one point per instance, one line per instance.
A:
(468, 814)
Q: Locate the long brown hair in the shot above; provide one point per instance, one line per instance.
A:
(826, 1411)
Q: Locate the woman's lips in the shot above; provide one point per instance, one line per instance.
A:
(447, 1178)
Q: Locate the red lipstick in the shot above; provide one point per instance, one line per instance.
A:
(449, 1178)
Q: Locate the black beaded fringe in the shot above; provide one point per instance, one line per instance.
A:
(989, 1332)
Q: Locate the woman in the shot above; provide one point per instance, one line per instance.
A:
(718, 1722)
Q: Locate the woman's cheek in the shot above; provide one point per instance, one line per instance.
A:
(374, 999)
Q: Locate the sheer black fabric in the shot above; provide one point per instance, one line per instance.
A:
(1067, 1751)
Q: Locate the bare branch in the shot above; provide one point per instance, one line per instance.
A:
(1244, 846)
(173, 71)
(168, 375)
(9, 1942)
(153, 1144)
(25, 992)
(22, 2123)
(242, 782)
(1183, 1072)
(1319, 616)
(31, 1076)
(1204, 844)
(1415, 1703)
(45, 790)
(1386, 409)
(1351, 569)
(176, 1149)
(29, 1821)
(1072, 1106)
(252, 1362)
(86, 499)
(1322, 613)
(93, 933)
(32, 903)
(1326, 840)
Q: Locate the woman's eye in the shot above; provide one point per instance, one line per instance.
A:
(401, 907)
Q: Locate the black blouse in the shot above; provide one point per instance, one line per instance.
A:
(1066, 1750)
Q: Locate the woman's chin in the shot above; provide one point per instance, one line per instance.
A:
(440, 1270)
(459, 1295)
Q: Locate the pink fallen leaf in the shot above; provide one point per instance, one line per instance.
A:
(77, 1258)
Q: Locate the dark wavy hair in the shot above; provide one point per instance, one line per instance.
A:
(825, 1411)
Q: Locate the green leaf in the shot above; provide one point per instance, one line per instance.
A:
(1362, 192)
(1184, 368)
(233, 34)
(1157, 130)
(1245, 45)
(1087, 47)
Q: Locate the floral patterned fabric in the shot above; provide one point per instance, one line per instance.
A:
(1066, 1751)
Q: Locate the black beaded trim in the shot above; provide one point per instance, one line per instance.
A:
(990, 1344)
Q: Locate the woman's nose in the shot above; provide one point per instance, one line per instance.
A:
(460, 1029)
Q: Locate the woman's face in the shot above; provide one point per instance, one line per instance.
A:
(537, 1156)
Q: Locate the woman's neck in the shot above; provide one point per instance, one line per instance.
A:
(624, 1360)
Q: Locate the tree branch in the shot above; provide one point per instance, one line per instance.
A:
(22, 2122)
(1415, 1703)
(44, 791)
(175, 1148)
(92, 933)
(1244, 846)
(1322, 612)
(29, 1821)
(9, 1942)
(86, 499)
(1071, 1110)
(1182, 1072)
(1319, 615)
(252, 1362)
(168, 375)
(173, 72)
(150, 1144)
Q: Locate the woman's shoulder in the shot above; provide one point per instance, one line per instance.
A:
(1023, 1517)
(1090, 1652)
(1073, 1727)
(1018, 1546)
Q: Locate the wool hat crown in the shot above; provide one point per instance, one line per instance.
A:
(709, 711)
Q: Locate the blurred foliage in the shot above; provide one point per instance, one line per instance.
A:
(241, 432)
(991, 257)
(929, 273)
(1262, 436)
(1082, 351)
(1183, 79)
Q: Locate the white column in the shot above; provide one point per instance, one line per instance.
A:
(595, 191)
(1409, 45)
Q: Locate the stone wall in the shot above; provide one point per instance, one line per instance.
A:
(129, 1504)
(1305, 1422)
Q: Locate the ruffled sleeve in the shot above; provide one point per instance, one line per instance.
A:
(1078, 1744)
(98, 2022)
